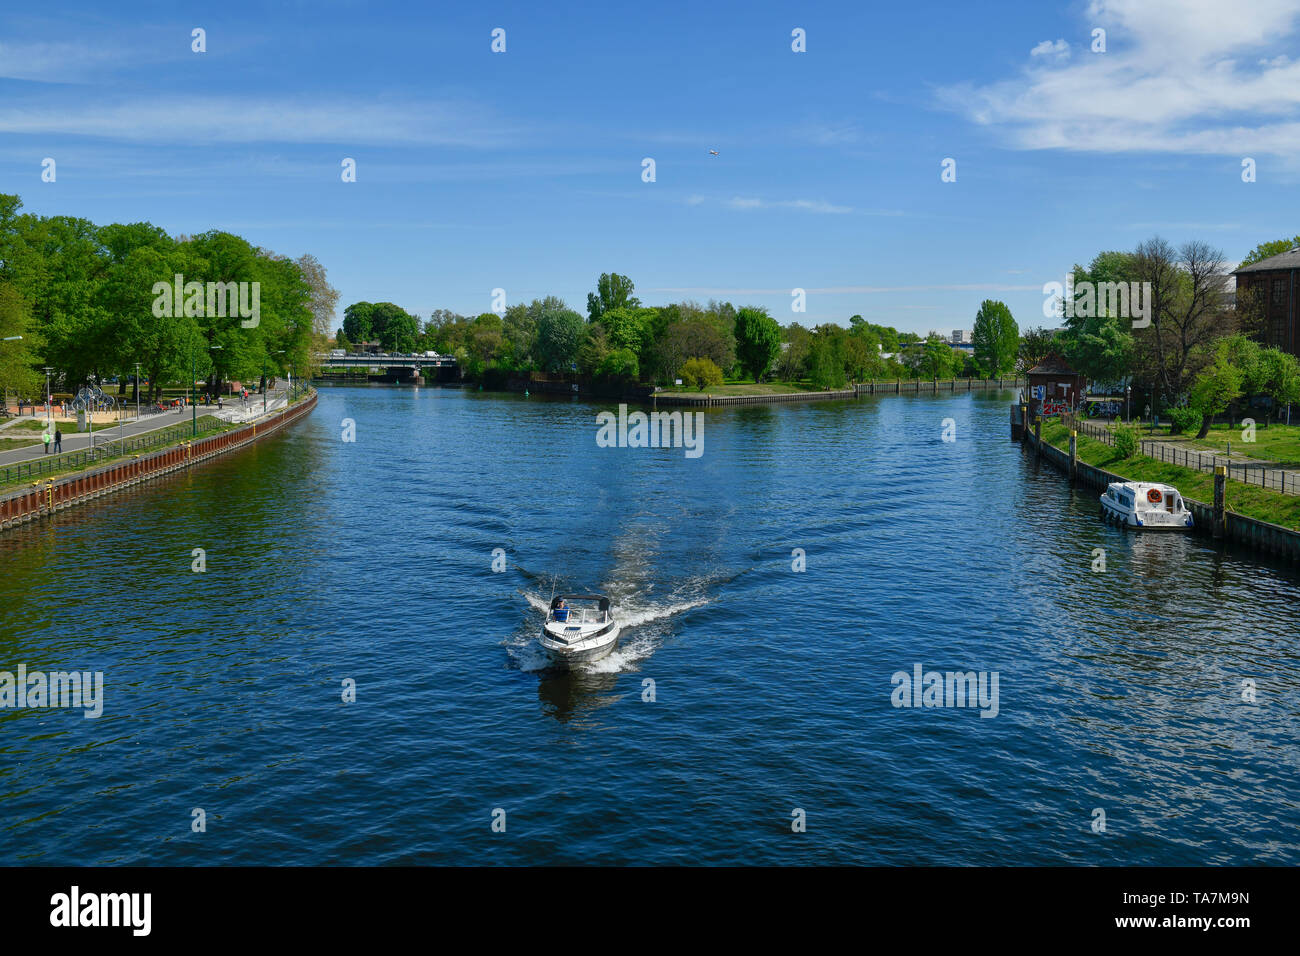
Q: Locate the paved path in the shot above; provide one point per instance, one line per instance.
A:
(235, 412)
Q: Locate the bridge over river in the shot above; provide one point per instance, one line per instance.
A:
(402, 368)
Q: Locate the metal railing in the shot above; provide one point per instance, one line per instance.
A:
(72, 460)
(1274, 479)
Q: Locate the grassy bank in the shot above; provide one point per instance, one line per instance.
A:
(1249, 500)
(736, 387)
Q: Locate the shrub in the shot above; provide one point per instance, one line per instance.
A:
(700, 373)
(1185, 419)
(1126, 441)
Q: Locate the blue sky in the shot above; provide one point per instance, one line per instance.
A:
(523, 170)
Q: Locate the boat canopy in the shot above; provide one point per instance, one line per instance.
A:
(602, 602)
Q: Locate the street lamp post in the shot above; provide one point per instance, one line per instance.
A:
(49, 409)
(1128, 394)
(194, 409)
(137, 393)
(264, 388)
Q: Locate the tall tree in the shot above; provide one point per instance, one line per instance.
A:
(996, 338)
(1188, 312)
(758, 341)
(613, 291)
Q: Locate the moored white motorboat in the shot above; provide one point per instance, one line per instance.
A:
(1147, 505)
(579, 628)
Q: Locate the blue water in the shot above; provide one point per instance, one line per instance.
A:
(372, 561)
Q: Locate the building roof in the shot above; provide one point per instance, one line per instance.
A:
(1052, 365)
(1284, 260)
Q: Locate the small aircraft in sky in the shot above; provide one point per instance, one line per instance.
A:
(713, 152)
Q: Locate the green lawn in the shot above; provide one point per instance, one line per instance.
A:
(1249, 500)
(1277, 443)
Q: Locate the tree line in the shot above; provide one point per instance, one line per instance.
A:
(619, 339)
(85, 300)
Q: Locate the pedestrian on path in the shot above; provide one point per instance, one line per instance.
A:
(47, 438)
(58, 441)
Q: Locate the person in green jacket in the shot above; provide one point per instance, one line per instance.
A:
(48, 438)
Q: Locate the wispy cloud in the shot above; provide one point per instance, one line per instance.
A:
(58, 61)
(1178, 75)
(201, 120)
(806, 205)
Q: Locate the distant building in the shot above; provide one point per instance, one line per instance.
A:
(1270, 286)
(963, 337)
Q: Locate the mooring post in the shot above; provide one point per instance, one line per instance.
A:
(1038, 438)
(1024, 424)
(1220, 503)
(1074, 455)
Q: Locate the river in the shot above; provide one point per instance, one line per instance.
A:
(746, 695)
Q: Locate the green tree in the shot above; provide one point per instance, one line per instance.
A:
(484, 343)
(792, 364)
(1216, 387)
(560, 334)
(1278, 377)
(700, 373)
(628, 327)
(758, 341)
(395, 328)
(18, 358)
(1266, 250)
(826, 356)
(996, 338)
(1036, 345)
(620, 364)
(613, 291)
(356, 322)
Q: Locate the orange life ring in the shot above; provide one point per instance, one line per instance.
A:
(1153, 496)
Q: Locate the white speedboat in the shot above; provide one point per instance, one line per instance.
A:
(579, 627)
(1142, 504)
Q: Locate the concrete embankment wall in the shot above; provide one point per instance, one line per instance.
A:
(1259, 535)
(51, 495)
(896, 387)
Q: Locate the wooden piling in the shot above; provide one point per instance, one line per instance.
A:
(1220, 500)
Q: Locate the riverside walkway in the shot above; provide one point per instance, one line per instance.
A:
(235, 412)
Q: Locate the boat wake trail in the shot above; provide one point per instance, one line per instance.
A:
(645, 626)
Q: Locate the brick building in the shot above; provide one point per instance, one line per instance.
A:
(1266, 298)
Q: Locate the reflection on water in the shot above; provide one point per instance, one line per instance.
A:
(373, 561)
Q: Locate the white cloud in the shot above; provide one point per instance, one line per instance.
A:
(1178, 75)
(1060, 50)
